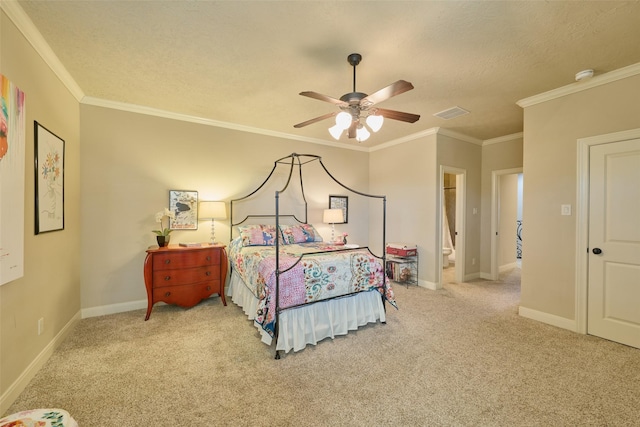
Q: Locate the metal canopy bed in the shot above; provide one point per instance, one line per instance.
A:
(297, 288)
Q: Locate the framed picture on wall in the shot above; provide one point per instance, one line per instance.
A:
(49, 180)
(184, 204)
(340, 202)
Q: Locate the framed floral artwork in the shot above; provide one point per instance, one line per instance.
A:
(49, 180)
(184, 205)
(340, 202)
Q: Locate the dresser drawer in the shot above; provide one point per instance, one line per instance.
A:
(170, 260)
(186, 295)
(185, 276)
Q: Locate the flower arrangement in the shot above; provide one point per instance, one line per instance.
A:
(160, 216)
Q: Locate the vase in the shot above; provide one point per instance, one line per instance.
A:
(162, 241)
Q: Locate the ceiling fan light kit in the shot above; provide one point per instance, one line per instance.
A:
(356, 106)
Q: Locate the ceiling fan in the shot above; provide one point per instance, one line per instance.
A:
(356, 106)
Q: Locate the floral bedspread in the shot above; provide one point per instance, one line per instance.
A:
(315, 277)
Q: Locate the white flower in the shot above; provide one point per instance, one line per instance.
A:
(160, 216)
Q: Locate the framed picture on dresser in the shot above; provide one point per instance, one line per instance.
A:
(184, 204)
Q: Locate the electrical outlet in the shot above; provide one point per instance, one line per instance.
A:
(40, 325)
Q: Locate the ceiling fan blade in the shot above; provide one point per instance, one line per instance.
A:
(385, 93)
(352, 129)
(317, 119)
(321, 97)
(398, 115)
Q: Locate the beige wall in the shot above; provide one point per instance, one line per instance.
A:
(406, 174)
(551, 131)
(409, 174)
(466, 156)
(495, 157)
(130, 162)
(50, 287)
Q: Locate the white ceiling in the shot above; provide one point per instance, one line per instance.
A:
(245, 62)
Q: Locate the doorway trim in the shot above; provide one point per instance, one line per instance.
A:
(461, 191)
(582, 218)
(495, 217)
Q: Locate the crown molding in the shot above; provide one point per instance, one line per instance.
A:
(139, 109)
(505, 138)
(612, 76)
(408, 138)
(428, 132)
(24, 24)
(459, 136)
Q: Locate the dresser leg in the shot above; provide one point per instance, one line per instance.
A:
(148, 313)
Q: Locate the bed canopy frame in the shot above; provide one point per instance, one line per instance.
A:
(296, 161)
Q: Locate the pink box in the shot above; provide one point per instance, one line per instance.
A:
(402, 249)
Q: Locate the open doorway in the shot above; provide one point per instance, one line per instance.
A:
(506, 220)
(452, 223)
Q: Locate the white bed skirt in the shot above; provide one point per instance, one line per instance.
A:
(312, 323)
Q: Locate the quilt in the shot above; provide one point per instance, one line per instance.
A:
(318, 275)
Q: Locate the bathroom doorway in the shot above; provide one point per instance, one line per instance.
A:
(452, 223)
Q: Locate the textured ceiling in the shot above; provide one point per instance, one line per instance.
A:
(245, 62)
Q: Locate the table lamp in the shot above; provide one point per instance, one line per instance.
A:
(212, 210)
(333, 216)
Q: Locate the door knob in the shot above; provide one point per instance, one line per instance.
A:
(597, 251)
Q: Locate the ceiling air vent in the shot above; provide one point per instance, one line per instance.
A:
(451, 113)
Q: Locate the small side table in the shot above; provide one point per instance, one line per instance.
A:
(184, 275)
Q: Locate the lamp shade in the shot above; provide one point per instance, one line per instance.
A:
(333, 216)
(212, 210)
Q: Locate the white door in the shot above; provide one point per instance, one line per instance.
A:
(614, 242)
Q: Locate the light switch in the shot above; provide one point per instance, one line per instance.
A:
(565, 209)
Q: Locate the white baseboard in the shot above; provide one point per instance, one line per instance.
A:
(113, 308)
(429, 285)
(506, 267)
(486, 276)
(550, 319)
(472, 276)
(14, 390)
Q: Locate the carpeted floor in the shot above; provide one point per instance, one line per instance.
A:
(460, 356)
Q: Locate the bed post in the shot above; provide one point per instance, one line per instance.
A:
(277, 313)
(384, 250)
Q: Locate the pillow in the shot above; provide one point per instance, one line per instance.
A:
(258, 235)
(302, 233)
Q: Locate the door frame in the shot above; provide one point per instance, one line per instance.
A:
(582, 218)
(461, 191)
(495, 217)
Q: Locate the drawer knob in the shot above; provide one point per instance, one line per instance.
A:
(167, 261)
(167, 294)
(167, 278)
(208, 258)
(208, 273)
(208, 288)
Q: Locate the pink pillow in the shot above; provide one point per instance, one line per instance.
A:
(258, 235)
